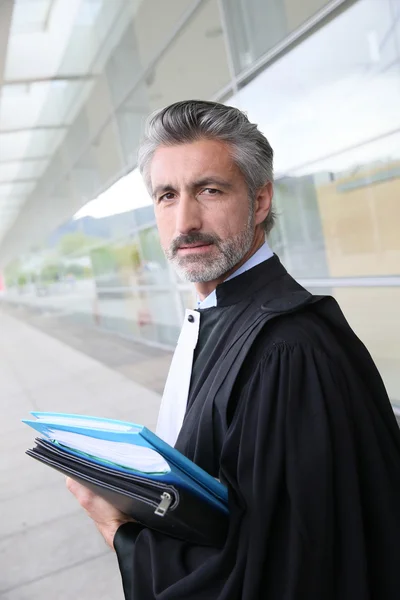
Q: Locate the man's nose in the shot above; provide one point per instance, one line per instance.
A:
(188, 216)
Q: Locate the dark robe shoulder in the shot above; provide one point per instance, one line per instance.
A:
(309, 449)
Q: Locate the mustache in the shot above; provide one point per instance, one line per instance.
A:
(193, 238)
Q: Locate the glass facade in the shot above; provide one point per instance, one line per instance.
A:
(256, 27)
(330, 106)
(331, 109)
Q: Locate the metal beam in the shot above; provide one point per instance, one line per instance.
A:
(6, 10)
(49, 79)
(10, 161)
(12, 181)
(34, 128)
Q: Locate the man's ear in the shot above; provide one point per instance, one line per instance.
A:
(263, 202)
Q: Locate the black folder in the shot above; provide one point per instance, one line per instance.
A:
(170, 509)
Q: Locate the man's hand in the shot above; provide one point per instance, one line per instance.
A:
(107, 518)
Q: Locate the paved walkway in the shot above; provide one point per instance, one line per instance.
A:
(48, 547)
(143, 364)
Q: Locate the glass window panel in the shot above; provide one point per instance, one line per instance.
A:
(314, 102)
(298, 235)
(123, 67)
(333, 121)
(124, 306)
(154, 270)
(60, 99)
(117, 264)
(38, 104)
(256, 26)
(21, 105)
(188, 298)
(98, 105)
(159, 319)
(97, 28)
(30, 16)
(120, 314)
(360, 214)
(298, 12)
(108, 155)
(130, 119)
(330, 102)
(38, 54)
(76, 138)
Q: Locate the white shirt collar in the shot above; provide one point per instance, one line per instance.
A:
(262, 254)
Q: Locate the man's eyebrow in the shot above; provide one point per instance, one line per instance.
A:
(211, 180)
(203, 182)
(161, 189)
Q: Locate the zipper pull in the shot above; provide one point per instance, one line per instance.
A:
(166, 501)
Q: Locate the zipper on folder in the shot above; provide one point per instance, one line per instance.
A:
(166, 501)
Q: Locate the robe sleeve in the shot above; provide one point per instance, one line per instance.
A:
(295, 527)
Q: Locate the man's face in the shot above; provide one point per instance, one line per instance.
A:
(202, 207)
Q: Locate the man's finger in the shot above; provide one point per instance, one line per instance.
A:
(71, 485)
(78, 490)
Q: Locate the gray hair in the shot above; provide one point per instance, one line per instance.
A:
(191, 120)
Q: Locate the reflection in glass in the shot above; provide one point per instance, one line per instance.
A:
(130, 119)
(298, 236)
(333, 120)
(159, 318)
(188, 298)
(154, 268)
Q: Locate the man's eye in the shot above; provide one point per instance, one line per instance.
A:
(167, 196)
(211, 191)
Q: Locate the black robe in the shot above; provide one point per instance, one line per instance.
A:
(309, 448)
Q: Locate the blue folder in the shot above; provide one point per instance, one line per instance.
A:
(183, 472)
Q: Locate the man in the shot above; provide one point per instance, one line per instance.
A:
(282, 402)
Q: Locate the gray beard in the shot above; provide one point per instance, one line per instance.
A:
(200, 269)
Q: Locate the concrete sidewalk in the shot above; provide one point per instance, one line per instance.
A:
(48, 547)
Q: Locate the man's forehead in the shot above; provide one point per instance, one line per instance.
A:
(192, 161)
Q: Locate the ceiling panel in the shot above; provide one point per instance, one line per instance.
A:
(32, 168)
(57, 50)
(29, 169)
(31, 16)
(28, 144)
(16, 188)
(41, 104)
(13, 146)
(9, 171)
(37, 54)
